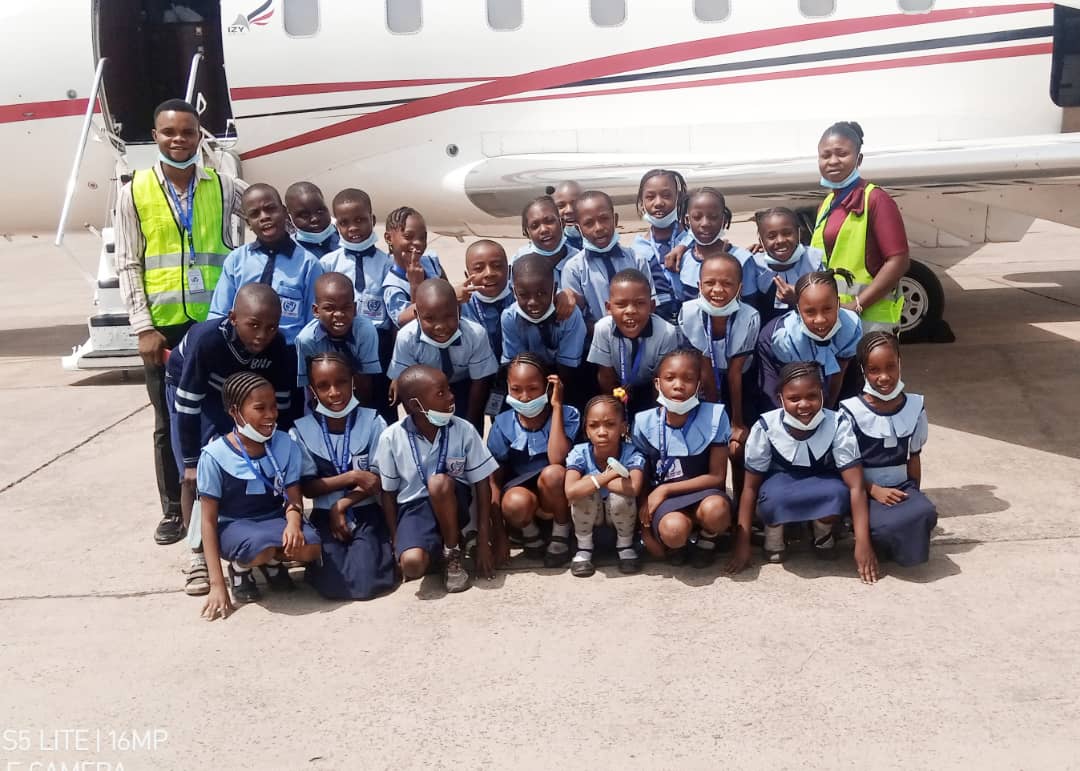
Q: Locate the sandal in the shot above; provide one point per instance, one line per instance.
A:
(556, 559)
(198, 577)
(243, 586)
(582, 568)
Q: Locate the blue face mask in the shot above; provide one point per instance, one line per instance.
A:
(359, 246)
(851, 178)
(719, 310)
(424, 337)
(305, 237)
(571, 231)
(590, 246)
(491, 300)
(529, 409)
(435, 417)
(661, 222)
(179, 164)
(719, 237)
(552, 252)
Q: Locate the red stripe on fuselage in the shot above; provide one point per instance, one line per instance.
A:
(628, 62)
(307, 89)
(62, 108)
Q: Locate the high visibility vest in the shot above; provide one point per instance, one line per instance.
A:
(849, 252)
(170, 254)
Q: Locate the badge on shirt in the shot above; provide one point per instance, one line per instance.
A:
(195, 280)
(455, 467)
(360, 462)
(494, 403)
(371, 306)
(290, 307)
(674, 470)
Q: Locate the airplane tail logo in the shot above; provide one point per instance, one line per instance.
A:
(260, 17)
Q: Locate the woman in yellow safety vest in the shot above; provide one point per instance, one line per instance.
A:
(859, 228)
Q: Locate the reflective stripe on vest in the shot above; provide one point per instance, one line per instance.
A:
(849, 252)
(168, 255)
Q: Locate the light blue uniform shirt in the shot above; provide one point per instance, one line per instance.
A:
(520, 449)
(295, 271)
(397, 294)
(489, 315)
(634, 360)
(224, 474)
(556, 342)
(589, 274)
(690, 272)
(582, 460)
(360, 346)
(740, 336)
(457, 451)
(368, 285)
(768, 435)
(647, 247)
(364, 426)
(791, 343)
(559, 267)
(468, 357)
(687, 447)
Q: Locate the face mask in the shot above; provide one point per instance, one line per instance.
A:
(719, 236)
(854, 175)
(250, 432)
(723, 310)
(179, 164)
(794, 422)
(529, 409)
(679, 408)
(305, 237)
(661, 222)
(781, 265)
(589, 245)
(571, 231)
(547, 314)
(359, 246)
(453, 338)
(435, 417)
(322, 409)
(500, 296)
(899, 389)
(550, 252)
(827, 336)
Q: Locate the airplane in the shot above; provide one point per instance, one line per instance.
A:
(465, 110)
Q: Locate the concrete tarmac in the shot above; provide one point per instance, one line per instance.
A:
(969, 661)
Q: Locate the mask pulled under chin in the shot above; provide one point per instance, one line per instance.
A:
(828, 335)
(893, 394)
(661, 222)
(529, 409)
(249, 431)
(719, 237)
(591, 247)
(436, 418)
(359, 246)
(850, 179)
(794, 422)
(322, 409)
(720, 310)
(677, 407)
(179, 164)
(537, 249)
(490, 300)
(305, 237)
(424, 337)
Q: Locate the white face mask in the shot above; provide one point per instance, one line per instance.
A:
(897, 390)
(250, 432)
(661, 222)
(678, 408)
(722, 310)
(322, 409)
(435, 417)
(794, 422)
(500, 296)
(360, 246)
(719, 237)
(529, 409)
(446, 344)
(827, 336)
(550, 252)
(305, 237)
(590, 246)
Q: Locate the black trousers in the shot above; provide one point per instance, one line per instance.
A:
(165, 467)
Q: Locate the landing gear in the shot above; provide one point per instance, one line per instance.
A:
(924, 307)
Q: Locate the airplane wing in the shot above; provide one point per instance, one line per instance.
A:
(977, 191)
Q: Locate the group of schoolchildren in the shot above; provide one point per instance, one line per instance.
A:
(616, 387)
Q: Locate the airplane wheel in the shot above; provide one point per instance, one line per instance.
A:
(924, 303)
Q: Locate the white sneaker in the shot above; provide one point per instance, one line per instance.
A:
(198, 576)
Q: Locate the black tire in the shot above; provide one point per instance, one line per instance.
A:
(924, 303)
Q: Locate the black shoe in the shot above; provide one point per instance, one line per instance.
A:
(556, 559)
(170, 530)
(243, 586)
(677, 557)
(582, 568)
(825, 547)
(631, 562)
(701, 556)
(277, 577)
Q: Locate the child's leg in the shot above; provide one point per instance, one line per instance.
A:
(414, 563)
(623, 512)
(714, 515)
(738, 474)
(519, 508)
(586, 514)
(551, 491)
(824, 542)
(674, 529)
(444, 503)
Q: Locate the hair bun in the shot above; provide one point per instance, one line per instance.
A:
(856, 128)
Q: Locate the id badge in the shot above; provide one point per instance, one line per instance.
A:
(290, 307)
(674, 471)
(195, 280)
(360, 462)
(494, 403)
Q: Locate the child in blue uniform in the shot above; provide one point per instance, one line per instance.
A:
(628, 344)
(604, 478)
(817, 330)
(460, 348)
(406, 237)
(338, 443)
(366, 265)
(252, 512)
(336, 327)
(890, 424)
(541, 224)
(661, 202)
(432, 465)
(531, 441)
(802, 465)
(707, 217)
(274, 259)
(487, 291)
(685, 444)
(565, 195)
(311, 219)
(782, 261)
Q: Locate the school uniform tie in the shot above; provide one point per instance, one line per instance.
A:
(445, 363)
(267, 276)
(361, 281)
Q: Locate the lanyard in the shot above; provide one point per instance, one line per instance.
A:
(277, 487)
(628, 377)
(440, 461)
(717, 372)
(187, 218)
(838, 198)
(665, 462)
(341, 462)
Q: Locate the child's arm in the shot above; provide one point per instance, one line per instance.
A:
(914, 469)
(217, 602)
(389, 507)
(365, 483)
(559, 444)
(739, 430)
(293, 537)
(489, 531)
(707, 378)
(718, 458)
(495, 481)
(606, 379)
(579, 487)
(479, 390)
(865, 559)
(740, 557)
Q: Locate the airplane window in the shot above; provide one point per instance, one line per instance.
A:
(916, 6)
(817, 7)
(301, 17)
(403, 16)
(607, 13)
(711, 10)
(504, 14)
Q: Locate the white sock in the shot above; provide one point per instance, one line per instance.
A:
(821, 529)
(563, 530)
(530, 532)
(774, 537)
(706, 540)
(625, 547)
(237, 567)
(585, 545)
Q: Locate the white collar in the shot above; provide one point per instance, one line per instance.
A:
(798, 452)
(889, 428)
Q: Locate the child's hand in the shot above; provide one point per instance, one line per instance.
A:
(673, 260)
(785, 292)
(365, 482)
(217, 603)
(500, 548)
(652, 503)
(292, 539)
(738, 438)
(756, 248)
(339, 525)
(485, 559)
(414, 271)
(740, 556)
(556, 399)
(565, 302)
(392, 391)
(889, 496)
(866, 561)
(464, 291)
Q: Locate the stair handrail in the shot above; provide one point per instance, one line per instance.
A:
(193, 74)
(80, 151)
